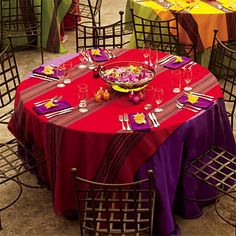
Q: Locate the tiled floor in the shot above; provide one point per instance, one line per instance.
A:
(33, 213)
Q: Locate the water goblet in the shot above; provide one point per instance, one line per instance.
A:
(153, 57)
(148, 96)
(158, 96)
(176, 80)
(187, 74)
(145, 50)
(83, 97)
(83, 60)
(60, 72)
(67, 74)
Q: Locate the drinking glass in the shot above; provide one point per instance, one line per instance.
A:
(176, 80)
(158, 96)
(148, 97)
(60, 71)
(67, 74)
(145, 50)
(153, 57)
(83, 97)
(83, 60)
(187, 75)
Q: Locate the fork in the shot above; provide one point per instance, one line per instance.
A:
(191, 108)
(57, 113)
(54, 99)
(126, 119)
(122, 122)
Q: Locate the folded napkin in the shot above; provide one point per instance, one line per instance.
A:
(139, 127)
(42, 70)
(98, 58)
(60, 105)
(201, 102)
(175, 65)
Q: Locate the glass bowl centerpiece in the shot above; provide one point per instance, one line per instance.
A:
(126, 76)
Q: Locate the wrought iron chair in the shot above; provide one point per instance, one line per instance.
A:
(217, 168)
(223, 65)
(114, 209)
(87, 11)
(115, 35)
(23, 21)
(9, 80)
(164, 34)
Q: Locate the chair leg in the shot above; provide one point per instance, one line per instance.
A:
(0, 221)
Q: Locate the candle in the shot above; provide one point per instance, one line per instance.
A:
(131, 96)
(136, 99)
(96, 73)
(106, 95)
(141, 96)
(97, 97)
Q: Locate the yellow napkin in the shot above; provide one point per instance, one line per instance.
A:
(96, 52)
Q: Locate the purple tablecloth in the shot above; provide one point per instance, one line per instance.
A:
(187, 142)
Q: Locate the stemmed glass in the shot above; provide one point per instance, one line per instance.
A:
(145, 50)
(83, 97)
(84, 59)
(187, 74)
(153, 56)
(67, 74)
(60, 71)
(158, 96)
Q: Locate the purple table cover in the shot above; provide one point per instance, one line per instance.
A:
(101, 58)
(201, 103)
(40, 110)
(139, 127)
(195, 136)
(175, 65)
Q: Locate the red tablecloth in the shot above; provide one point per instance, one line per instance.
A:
(93, 142)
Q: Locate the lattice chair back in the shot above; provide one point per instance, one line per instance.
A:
(164, 34)
(23, 21)
(110, 36)
(223, 65)
(9, 80)
(114, 209)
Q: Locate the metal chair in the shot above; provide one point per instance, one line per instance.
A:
(23, 21)
(114, 209)
(9, 80)
(115, 35)
(15, 160)
(87, 11)
(217, 168)
(164, 34)
(223, 65)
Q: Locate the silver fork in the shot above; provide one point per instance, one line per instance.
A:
(182, 106)
(126, 119)
(122, 122)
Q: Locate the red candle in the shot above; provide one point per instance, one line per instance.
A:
(136, 99)
(141, 96)
(131, 96)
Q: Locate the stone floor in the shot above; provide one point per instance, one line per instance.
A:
(33, 214)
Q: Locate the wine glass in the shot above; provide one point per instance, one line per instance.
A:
(176, 80)
(145, 50)
(83, 97)
(187, 74)
(83, 60)
(153, 56)
(148, 96)
(67, 74)
(158, 96)
(60, 72)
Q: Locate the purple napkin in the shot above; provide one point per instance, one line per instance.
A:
(40, 69)
(175, 65)
(101, 58)
(43, 110)
(202, 103)
(139, 127)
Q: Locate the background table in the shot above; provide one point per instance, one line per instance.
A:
(94, 143)
(196, 26)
